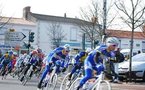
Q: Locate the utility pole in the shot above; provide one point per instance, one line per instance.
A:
(29, 43)
(30, 40)
(83, 41)
(104, 18)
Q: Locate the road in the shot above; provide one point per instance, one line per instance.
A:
(13, 84)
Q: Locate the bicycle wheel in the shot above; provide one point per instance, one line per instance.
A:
(75, 84)
(103, 85)
(25, 80)
(52, 82)
(64, 83)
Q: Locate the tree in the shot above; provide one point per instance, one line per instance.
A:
(3, 20)
(134, 15)
(94, 15)
(56, 34)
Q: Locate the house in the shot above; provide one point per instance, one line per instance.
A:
(45, 23)
(42, 25)
(125, 38)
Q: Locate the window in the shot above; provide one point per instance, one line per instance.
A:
(73, 34)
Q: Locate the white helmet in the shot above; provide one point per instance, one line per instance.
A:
(14, 53)
(112, 41)
(101, 47)
(88, 50)
(67, 47)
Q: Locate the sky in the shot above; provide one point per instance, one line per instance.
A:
(14, 8)
(49, 7)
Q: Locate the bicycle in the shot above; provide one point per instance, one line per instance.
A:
(50, 81)
(28, 75)
(66, 83)
(99, 83)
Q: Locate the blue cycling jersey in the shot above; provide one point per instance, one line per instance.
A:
(58, 52)
(97, 56)
(80, 57)
(94, 61)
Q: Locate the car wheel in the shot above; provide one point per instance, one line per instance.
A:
(143, 78)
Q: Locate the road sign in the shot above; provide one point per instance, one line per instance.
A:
(14, 38)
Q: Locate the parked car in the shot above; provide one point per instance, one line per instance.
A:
(138, 66)
(126, 52)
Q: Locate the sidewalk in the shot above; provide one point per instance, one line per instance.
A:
(128, 86)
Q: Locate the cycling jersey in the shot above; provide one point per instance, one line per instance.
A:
(80, 57)
(56, 54)
(93, 61)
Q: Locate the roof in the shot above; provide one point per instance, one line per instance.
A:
(16, 21)
(125, 34)
(58, 18)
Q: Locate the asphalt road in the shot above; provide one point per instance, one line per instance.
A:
(13, 84)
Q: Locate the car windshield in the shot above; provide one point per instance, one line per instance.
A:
(139, 57)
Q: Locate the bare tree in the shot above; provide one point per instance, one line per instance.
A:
(3, 20)
(94, 15)
(133, 18)
(56, 34)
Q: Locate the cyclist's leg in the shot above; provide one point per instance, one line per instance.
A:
(73, 70)
(25, 72)
(113, 71)
(47, 69)
(58, 64)
(88, 75)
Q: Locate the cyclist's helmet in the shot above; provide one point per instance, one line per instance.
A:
(10, 52)
(112, 41)
(34, 52)
(88, 50)
(15, 54)
(39, 50)
(67, 47)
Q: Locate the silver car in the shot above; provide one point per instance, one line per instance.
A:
(138, 67)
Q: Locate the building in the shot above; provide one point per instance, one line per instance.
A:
(15, 26)
(42, 25)
(125, 38)
(69, 27)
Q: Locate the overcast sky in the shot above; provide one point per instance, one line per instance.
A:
(14, 8)
(49, 7)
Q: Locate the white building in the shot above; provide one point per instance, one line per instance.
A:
(18, 25)
(40, 25)
(125, 39)
(69, 26)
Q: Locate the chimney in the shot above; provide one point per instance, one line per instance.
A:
(65, 15)
(26, 10)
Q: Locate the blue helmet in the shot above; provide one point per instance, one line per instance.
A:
(10, 52)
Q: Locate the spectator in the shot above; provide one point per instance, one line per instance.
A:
(119, 56)
(139, 51)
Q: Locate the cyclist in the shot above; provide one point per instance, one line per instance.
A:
(6, 60)
(59, 53)
(31, 61)
(79, 61)
(97, 56)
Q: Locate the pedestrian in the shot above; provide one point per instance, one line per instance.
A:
(119, 57)
(139, 51)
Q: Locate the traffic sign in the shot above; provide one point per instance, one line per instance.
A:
(14, 38)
